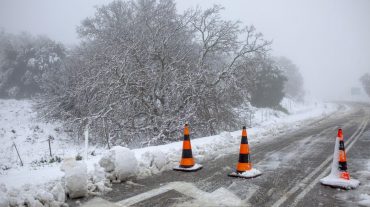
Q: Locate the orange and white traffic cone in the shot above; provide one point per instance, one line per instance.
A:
(339, 176)
(187, 162)
(342, 162)
(244, 167)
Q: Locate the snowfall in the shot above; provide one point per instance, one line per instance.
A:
(33, 175)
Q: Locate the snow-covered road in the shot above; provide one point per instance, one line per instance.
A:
(292, 164)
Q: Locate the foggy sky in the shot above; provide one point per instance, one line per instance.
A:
(329, 40)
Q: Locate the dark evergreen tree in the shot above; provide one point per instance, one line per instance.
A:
(269, 88)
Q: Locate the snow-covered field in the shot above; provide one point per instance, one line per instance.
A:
(41, 175)
(19, 126)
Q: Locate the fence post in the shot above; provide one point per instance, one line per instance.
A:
(15, 146)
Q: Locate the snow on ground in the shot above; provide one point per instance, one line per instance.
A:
(20, 126)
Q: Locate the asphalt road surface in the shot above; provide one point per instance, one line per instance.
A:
(292, 164)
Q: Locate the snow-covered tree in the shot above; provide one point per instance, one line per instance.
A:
(143, 70)
(263, 80)
(25, 62)
(293, 87)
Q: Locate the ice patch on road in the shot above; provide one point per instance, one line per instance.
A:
(98, 202)
(243, 189)
(284, 157)
(219, 197)
(364, 200)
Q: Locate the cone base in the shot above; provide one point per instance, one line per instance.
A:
(340, 182)
(196, 167)
(247, 174)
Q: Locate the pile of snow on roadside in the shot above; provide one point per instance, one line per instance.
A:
(120, 164)
(75, 178)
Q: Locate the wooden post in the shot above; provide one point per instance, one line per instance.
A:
(15, 146)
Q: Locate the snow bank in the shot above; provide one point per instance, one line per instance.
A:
(4, 202)
(34, 196)
(76, 182)
(75, 178)
(120, 163)
(58, 193)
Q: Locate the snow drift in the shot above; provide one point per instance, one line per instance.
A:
(75, 177)
(120, 163)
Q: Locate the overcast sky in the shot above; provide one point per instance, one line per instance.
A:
(328, 39)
